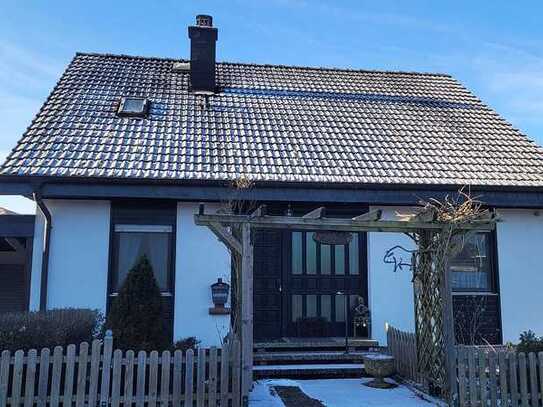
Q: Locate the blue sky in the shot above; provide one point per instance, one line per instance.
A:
(495, 48)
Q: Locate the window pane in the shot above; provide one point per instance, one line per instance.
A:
(340, 259)
(311, 254)
(133, 245)
(326, 259)
(471, 267)
(311, 305)
(296, 307)
(297, 264)
(340, 308)
(326, 307)
(353, 255)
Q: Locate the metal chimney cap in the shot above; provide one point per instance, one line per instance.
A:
(203, 20)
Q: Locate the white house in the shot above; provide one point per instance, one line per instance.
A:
(125, 147)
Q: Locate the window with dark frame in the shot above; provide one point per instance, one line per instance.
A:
(131, 242)
(472, 267)
(133, 107)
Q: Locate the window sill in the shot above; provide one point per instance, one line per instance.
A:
(219, 311)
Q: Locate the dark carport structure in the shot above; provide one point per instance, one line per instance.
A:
(16, 236)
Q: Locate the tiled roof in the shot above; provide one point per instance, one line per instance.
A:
(272, 123)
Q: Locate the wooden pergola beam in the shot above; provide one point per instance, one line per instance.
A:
(336, 224)
(226, 237)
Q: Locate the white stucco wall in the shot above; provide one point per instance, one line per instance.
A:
(391, 294)
(78, 259)
(200, 259)
(520, 244)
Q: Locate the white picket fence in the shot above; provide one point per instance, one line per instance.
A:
(485, 376)
(498, 378)
(101, 376)
(402, 345)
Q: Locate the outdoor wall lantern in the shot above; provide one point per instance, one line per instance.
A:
(219, 295)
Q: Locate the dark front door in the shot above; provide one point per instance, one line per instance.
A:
(301, 286)
(323, 284)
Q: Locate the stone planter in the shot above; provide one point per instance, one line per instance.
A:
(379, 366)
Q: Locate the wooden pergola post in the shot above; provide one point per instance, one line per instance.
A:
(246, 310)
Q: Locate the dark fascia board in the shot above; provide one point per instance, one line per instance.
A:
(17, 225)
(506, 197)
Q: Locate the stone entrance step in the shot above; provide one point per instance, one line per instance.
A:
(315, 344)
(308, 358)
(310, 371)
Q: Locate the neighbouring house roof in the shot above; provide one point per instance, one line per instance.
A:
(272, 123)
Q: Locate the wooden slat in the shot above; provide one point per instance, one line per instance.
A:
(513, 382)
(503, 366)
(31, 363)
(56, 376)
(177, 378)
(472, 379)
(532, 359)
(4, 377)
(212, 396)
(189, 370)
(482, 375)
(69, 376)
(82, 374)
(140, 382)
(492, 372)
(461, 356)
(106, 369)
(318, 213)
(153, 379)
(201, 378)
(17, 378)
(128, 391)
(523, 380)
(94, 371)
(116, 378)
(43, 379)
(225, 377)
(372, 216)
(237, 374)
(165, 378)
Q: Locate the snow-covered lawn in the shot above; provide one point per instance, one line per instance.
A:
(337, 393)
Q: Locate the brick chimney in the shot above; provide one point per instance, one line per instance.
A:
(203, 38)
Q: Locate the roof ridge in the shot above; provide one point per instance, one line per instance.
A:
(304, 67)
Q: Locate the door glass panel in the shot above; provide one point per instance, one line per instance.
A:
(339, 260)
(353, 255)
(296, 307)
(297, 263)
(311, 254)
(326, 259)
(311, 305)
(326, 307)
(340, 308)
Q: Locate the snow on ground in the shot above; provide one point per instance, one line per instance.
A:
(337, 393)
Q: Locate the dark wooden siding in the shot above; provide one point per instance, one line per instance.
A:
(268, 259)
(477, 319)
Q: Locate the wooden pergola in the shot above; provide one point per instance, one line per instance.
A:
(437, 331)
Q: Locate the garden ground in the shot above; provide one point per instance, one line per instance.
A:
(336, 393)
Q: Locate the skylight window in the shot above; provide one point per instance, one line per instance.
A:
(133, 107)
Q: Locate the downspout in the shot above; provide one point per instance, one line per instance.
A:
(45, 254)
